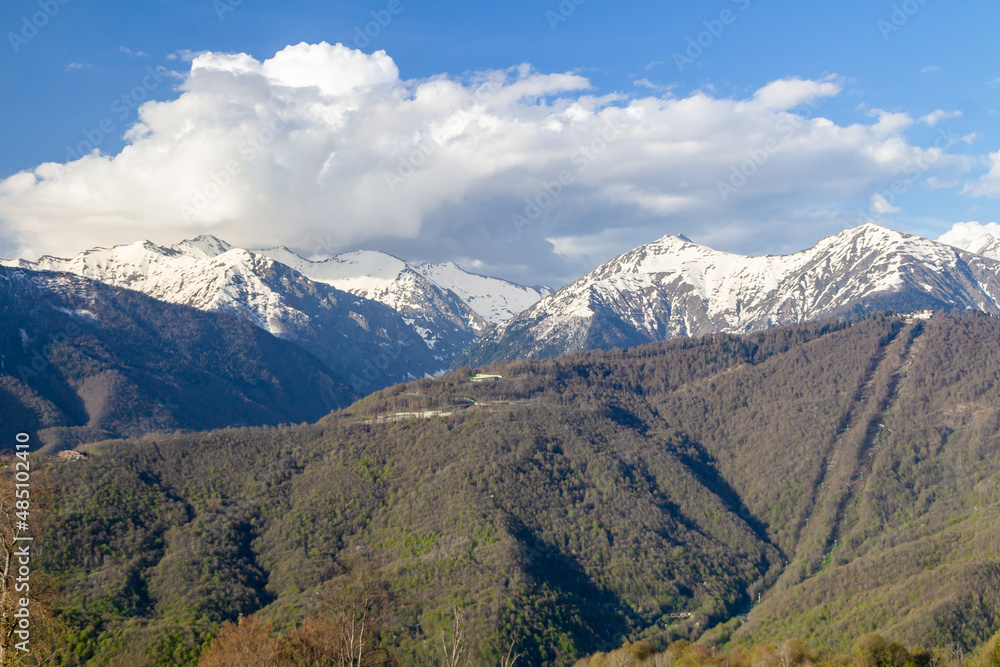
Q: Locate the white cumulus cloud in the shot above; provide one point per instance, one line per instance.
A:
(988, 184)
(966, 234)
(881, 206)
(325, 148)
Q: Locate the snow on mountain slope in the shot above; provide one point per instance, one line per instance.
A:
(228, 281)
(124, 357)
(203, 246)
(986, 245)
(444, 306)
(362, 270)
(448, 306)
(446, 323)
(348, 333)
(394, 282)
(496, 300)
(673, 287)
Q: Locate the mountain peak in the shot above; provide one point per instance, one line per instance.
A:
(203, 246)
(672, 288)
(872, 230)
(673, 240)
(985, 244)
(870, 237)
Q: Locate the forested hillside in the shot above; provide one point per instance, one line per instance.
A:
(819, 481)
(83, 361)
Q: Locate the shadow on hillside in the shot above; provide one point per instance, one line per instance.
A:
(598, 620)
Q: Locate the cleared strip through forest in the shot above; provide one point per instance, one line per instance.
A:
(848, 459)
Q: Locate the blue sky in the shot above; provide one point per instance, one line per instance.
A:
(83, 71)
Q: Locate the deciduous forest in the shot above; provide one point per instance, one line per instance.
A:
(824, 493)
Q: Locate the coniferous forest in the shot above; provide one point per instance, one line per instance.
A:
(816, 494)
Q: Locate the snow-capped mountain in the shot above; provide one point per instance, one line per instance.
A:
(673, 287)
(494, 299)
(445, 322)
(986, 245)
(441, 306)
(406, 287)
(446, 305)
(204, 246)
(363, 341)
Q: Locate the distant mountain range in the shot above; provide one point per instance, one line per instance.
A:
(674, 287)
(375, 320)
(371, 318)
(448, 307)
(390, 280)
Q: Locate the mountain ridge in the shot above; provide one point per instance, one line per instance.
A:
(673, 287)
(211, 274)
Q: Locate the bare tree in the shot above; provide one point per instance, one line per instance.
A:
(19, 507)
(454, 650)
(511, 657)
(360, 603)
